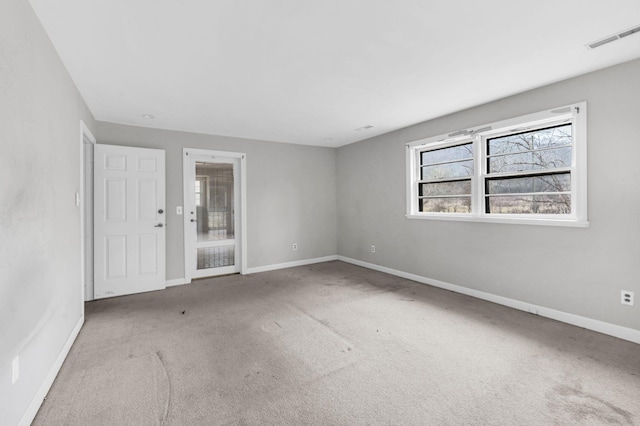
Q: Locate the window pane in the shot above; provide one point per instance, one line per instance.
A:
(461, 187)
(530, 204)
(534, 160)
(527, 141)
(458, 152)
(559, 182)
(446, 205)
(448, 170)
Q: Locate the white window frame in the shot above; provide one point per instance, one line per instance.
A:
(574, 113)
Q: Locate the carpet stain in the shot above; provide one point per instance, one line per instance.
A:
(160, 367)
(584, 406)
(125, 387)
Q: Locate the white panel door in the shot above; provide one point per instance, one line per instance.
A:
(129, 220)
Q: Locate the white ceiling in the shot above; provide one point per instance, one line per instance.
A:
(310, 72)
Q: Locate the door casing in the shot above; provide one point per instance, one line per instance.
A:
(85, 197)
(241, 226)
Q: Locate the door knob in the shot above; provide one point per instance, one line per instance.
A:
(160, 211)
(193, 220)
(159, 225)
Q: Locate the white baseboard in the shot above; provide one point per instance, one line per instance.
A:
(37, 400)
(618, 331)
(273, 267)
(177, 281)
(255, 270)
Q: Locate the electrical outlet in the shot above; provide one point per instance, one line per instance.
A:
(373, 249)
(626, 297)
(295, 246)
(15, 370)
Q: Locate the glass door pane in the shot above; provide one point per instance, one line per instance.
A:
(213, 216)
(214, 198)
(215, 257)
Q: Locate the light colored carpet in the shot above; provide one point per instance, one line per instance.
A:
(335, 344)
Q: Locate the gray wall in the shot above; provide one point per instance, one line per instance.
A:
(291, 193)
(579, 271)
(40, 286)
(292, 196)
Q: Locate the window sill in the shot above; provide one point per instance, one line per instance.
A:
(573, 223)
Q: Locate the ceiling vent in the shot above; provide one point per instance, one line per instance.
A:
(614, 37)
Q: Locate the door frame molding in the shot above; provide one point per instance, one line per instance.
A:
(243, 204)
(86, 137)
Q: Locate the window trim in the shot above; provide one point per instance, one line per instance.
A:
(576, 113)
